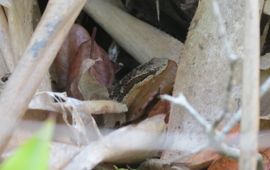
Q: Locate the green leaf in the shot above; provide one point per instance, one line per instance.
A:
(34, 154)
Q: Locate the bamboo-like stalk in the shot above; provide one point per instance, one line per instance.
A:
(38, 56)
(17, 22)
(6, 53)
(140, 39)
(250, 96)
(21, 15)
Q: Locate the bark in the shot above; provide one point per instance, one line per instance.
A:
(204, 71)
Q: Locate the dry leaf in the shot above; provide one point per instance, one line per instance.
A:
(161, 107)
(125, 145)
(224, 163)
(128, 144)
(266, 158)
(102, 72)
(200, 160)
(67, 67)
(61, 64)
(229, 163)
(91, 89)
(232, 164)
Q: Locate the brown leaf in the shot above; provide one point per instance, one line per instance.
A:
(161, 107)
(102, 71)
(229, 163)
(201, 160)
(91, 89)
(224, 163)
(60, 66)
(266, 158)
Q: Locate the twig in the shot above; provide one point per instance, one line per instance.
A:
(252, 106)
(215, 137)
(232, 122)
(250, 95)
(181, 100)
(231, 55)
(45, 43)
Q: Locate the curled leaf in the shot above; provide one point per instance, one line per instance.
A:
(61, 64)
(101, 74)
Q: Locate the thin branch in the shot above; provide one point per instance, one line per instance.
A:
(182, 100)
(232, 122)
(215, 137)
(250, 94)
(231, 55)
